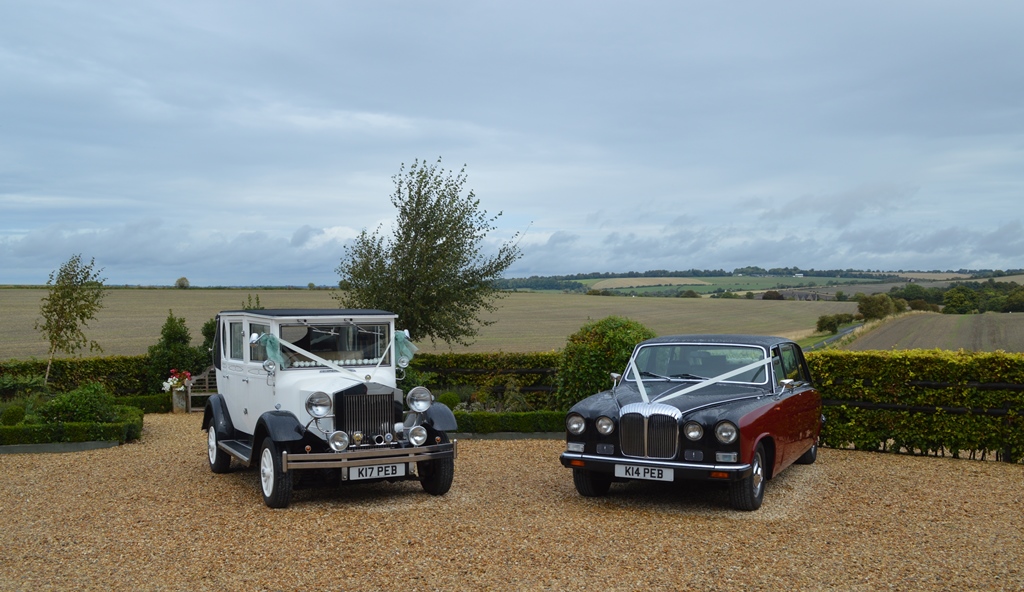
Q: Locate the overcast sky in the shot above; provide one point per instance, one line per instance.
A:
(244, 143)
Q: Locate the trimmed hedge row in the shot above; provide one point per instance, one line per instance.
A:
(485, 422)
(128, 428)
(533, 374)
(923, 401)
(122, 375)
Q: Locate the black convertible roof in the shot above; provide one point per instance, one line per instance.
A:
(760, 340)
(311, 312)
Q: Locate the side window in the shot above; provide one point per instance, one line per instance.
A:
(258, 351)
(236, 338)
(791, 364)
(780, 374)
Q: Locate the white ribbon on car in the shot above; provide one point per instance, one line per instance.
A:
(699, 385)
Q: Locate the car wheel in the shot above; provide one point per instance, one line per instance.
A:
(748, 493)
(591, 483)
(220, 461)
(810, 456)
(436, 476)
(275, 483)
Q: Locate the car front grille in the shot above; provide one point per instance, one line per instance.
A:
(372, 415)
(649, 430)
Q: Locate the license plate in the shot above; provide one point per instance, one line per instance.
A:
(376, 472)
(649, 473)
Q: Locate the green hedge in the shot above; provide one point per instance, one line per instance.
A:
(531, 373)
(485, 422)
(952, 393)
(127, 428)
(123, 375)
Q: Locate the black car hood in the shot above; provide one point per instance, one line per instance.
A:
(708, 396)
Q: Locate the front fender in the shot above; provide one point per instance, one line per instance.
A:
(440, 417)
(216, 416)
(281, 426)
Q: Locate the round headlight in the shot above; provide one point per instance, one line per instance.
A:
(419, 399)
(318, 404)
(693, 431)
(418, 435)
(605, 425)
(726, 432)
(338, 441)
(575, 424)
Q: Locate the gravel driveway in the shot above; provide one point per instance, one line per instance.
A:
(151, 516)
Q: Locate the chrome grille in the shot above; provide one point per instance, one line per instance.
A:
(649, 430)
(373, 415)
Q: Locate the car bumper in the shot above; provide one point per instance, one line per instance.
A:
(366, 458)
(683, 471)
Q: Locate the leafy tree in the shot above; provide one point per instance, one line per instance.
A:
(772, 295)
(432, 271)
(960, 300)
(174, 351)
(827, 324)
(75, 296)
(876, 306)
(1015, 301)
(182, 283)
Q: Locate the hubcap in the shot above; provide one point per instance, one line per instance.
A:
(211, 444)
(267, 472)
(757, 477)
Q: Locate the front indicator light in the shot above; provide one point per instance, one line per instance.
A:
(577, 463)
(719, 475)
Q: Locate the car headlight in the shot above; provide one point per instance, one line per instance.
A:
(726, 432)
(605, 425)
(575, 424)
(418, 435)
(338, 441)
(419, 399)
(318, 404)
(693, 431)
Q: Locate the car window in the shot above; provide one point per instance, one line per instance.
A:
(258, 351)
(688, 361)
(236, 337)
(791, 366)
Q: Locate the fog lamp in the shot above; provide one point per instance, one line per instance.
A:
(338, 441)
(418, 435)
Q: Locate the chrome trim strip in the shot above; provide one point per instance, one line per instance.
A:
(655, 463)
(362, 458)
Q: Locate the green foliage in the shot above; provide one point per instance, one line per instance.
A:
(127, 426)
(123, 375)
(173, 351)
(250, 305)
(960, 300)
(88, 403)
(523, 381)
(75, 296)
(12, 415)
(431, 272)
(689, 294)
(181, 283)
(827, 324)
(21, 385)
(591, 353)
(449, 399)
(909, 378)
(485, 422)
(876, 306)
(772, 295)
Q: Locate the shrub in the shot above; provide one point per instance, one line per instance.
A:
(12, 415)
(591, 353)
(173, 350)
(450, 399)
(89, 403)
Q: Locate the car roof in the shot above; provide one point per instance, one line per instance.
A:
(760, 340)
(312, 312)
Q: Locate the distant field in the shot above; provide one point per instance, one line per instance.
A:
(933, 276)
(985, 332)
(707, 285)
(131, 320)
(641, 282)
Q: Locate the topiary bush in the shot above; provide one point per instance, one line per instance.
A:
(174, 350)
(591, 353)
(89, 403)
(12, 415)
(450, 399)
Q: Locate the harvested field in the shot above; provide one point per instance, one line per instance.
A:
(611, 284)
(985, 332)
(151, 516)
(524, 322)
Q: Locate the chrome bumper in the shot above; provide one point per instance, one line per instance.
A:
(568, 457)
(364, 458)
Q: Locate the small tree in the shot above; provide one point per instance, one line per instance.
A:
(592, 352)
(174, 351)
(876, 306)
(75, 296)
(432, 271)
(181, 283)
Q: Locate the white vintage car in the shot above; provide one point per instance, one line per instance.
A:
(313, 393)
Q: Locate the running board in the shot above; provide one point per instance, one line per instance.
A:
(239, 449)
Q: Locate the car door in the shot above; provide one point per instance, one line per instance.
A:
(802, 405)
(233, 381)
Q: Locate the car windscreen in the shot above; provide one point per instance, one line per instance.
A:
(348, 344)
(698, 361)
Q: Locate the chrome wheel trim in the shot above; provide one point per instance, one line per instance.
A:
(267, 472)
(757, 475)
(211, 444)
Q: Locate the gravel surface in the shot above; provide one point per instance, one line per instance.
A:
(151, 516)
